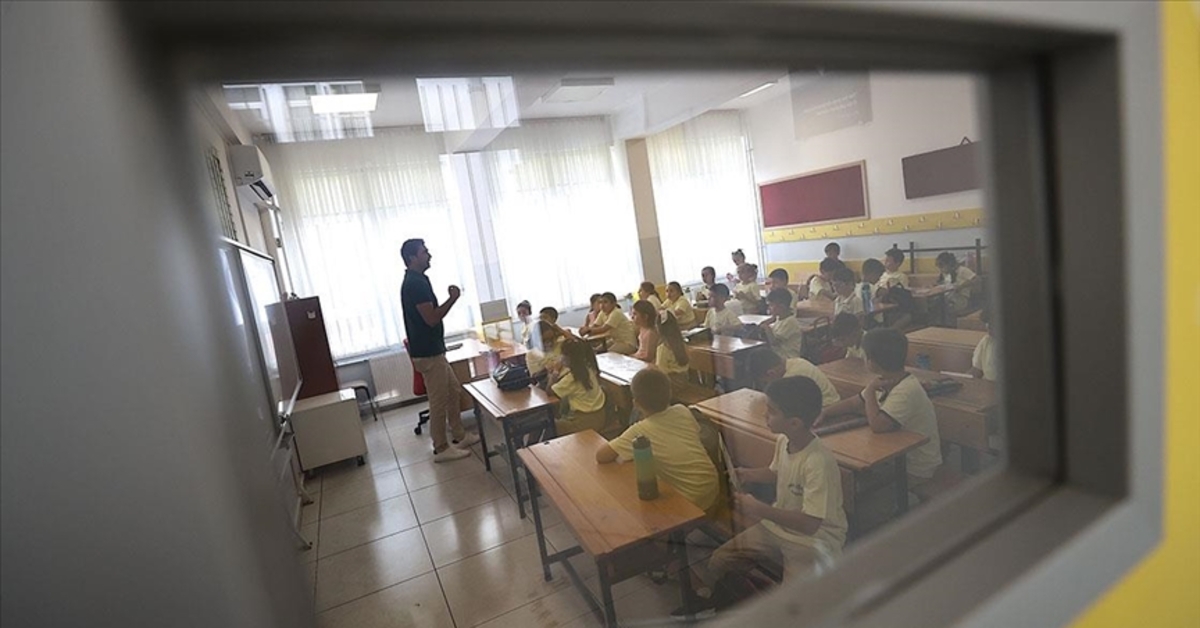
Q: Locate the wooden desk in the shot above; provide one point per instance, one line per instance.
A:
(947, 349)
(741, 416)
(965, 417)
(974, 320)
(723, 356)
(475, 360)
(599, 342)
(599, 502)
(753, 319)
(931, 300)
(529, 410)
(814, 308)
(619, 369)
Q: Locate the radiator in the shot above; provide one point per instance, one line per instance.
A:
(393, 377)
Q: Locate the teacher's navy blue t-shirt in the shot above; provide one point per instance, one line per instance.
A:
(424, 340)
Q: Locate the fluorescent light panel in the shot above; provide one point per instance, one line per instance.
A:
(757, 89)
(578, 89)
(344, 103)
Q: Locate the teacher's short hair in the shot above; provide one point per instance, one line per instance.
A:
(409, 249)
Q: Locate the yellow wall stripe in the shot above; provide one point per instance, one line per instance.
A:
(932, 221)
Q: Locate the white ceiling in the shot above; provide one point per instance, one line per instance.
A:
(644, 101)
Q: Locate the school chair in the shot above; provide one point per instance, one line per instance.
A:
(418, 390)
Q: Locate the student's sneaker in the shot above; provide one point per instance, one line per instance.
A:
(470, 438)
(451, 453)
(701, 608)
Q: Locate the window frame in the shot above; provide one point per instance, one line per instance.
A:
(1073, 97)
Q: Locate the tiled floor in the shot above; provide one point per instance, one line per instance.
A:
(402, 541)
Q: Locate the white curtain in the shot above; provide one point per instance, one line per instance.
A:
(347, 207)
(704, 194)
(562, 217)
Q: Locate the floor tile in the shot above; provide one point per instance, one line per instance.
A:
(359, 492)
(427, 473)
(474, 530)
(309, 513)
(366, 524)
(556, 609)
(415, 603)
(456, 495)
(369, 568)
(497, 581)
(310, 534)
(410, 450)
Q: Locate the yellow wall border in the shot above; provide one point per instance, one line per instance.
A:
(932, 221)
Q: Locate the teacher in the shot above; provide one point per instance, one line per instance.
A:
(427, 346)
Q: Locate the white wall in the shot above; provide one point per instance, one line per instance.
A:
(912, 113)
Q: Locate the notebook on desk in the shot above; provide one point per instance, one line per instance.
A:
(453, 346)
(837, 424)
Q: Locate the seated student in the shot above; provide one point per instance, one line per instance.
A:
(895, 400)
(644, 317)
(678, 305)
(524, 313)
(577, 384)
(545, 351)
(708, 276)
(746, 291)
(739, 258)
(833, 251)
(767, 367)
(805, 528)
(622, 336)
(892, 275)
(898, 317)
(782, 331)
(720, 319)
(962, 278)
(646, 292)
(679, 457)
(548, 314)
(983, 361)
(593, 311)
(779, 278)
(671, 356)
(872, 273)
(820, 286)
(847, 333)
(849, 297)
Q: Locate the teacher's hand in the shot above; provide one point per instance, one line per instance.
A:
(455, 292)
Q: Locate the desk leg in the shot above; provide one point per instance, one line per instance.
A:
(537, 525)
(686, 594)
(487, 454)
(610, 609)
(551, 426)
(901, 485)
(511, 441)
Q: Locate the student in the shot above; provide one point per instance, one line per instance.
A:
(646, 292)
(820, 285)
(644, 317)
(782, 331)
(548, 314)
(671, 356)
(899, 316)
(545, 351)
(767, 367)
(892, 275)
(962, 278)
(679, 457)
(578, 386)
(593, 312)
(849, 297)
(524, 313)
(983, 361)
(739, 259)
(720, 319)
(747, 291)
(804, 529)
(779, 278)
(622, 336)
(847, 333)
(833, 251)
(708, 276)
(678, 305)
(895, 400)
(872, 273)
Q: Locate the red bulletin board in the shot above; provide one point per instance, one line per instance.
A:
(832, 194)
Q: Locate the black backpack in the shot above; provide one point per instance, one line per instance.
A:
(511, 376)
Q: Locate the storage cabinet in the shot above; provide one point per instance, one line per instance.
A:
(328, 429)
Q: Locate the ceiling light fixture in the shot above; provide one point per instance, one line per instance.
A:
(757, 89)
(344, 103)
(578, 89)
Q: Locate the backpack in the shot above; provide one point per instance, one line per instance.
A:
(511, 376)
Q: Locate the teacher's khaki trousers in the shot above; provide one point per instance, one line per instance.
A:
(444, 391)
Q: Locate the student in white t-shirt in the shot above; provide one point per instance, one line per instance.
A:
(892, 276)
(804, 529)
(962, 278)
(678, 305)
(820, 286)
(720, 319)
(895, 400)
(779, 278)
(782, 331)
(593, 311)
(766, 367)
(708, 276)
(747, 291)
(739, 258)
(849, 297)
(647, 292)
(622, 337)
(545, 351)
(847, 333)
(525, 315)
(983, 361)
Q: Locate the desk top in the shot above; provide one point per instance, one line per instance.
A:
(508, 403)
(574, 331)
(932, 291)
(729, 345)
(855, 449)
(619, 369)
(472, 348)
(976, 395)
(814, 308)
(944, 336)
(599, 501)
(753, 319)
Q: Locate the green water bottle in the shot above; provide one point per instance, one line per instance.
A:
(643, 463)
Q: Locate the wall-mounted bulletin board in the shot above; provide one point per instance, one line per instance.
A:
(828, 195)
